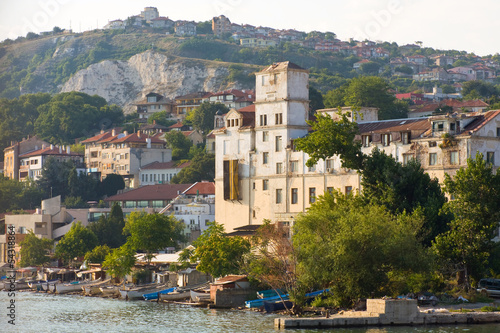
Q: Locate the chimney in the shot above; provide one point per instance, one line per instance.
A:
(113, 132)
(60, 150)
(148, 142)
(139, 134)
(102, 131)
(125, 132)
(43, 145)
(51, 147)
(68, 150)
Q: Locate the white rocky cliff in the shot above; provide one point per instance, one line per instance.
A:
(123, 82)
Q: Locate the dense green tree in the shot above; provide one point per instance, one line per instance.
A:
(367, 91)
(75, 243)
(54, 178)
(179, 144)
(204, 27)
(161, 118)
(18, 117)
(153, 232)
(405, 69)
(35, 251)
(315, 101)
(468, 244)
(202, 117)
(475, 89)
(329, 138)
(202, 167)
(98, 254)
(370, 68)
(403, 188)
(73, 115)
(18, 195)
(354, 248)
(111, 185)
(109, 230)
(218, 254)
(120, 261)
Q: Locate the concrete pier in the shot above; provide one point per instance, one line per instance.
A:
(381, 312)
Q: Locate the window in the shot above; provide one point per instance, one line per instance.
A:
(265, 157)
(294, 166)
(490, 157)
(312, 194)
(366, 139)
(279, 143)
(437, 126)
(452, 127)
(279, 168)
(498, 131)
(265, 136)
(278, 118)
(405, 137)
(253, 186)
(407, 158)
(454, 157)
(279, 193)
(329, 190)
(329, 164)
(432, 144)
(295, 195)
(386, 139)
(265, 184)
(263, 119)
(432, 159)
(312, 169)
(348, 190)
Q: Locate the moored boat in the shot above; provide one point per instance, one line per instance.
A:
(200, 295)
(154, 295)
(176, 295)
(136, 293)
(63, 288)
(110, 291)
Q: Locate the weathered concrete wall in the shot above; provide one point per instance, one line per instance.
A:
(232, 298)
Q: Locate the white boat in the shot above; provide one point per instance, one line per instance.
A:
(94, 288)
(200, 295)
(136, 293)
(110, 291)
(63, 288)
(175, 295)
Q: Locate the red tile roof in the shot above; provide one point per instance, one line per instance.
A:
(202, 188)
(151, 192)
(136, 137)
(48, 151)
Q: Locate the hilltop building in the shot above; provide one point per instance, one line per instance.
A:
(11, 155)
(259, 174)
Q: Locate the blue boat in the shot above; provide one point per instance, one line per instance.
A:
(257, 303)
(154, 296)
(269, 293)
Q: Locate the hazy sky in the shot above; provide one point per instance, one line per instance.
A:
(445, 24)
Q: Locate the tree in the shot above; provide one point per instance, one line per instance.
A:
(179, 144)
(367, 91)
(120, 261)
(161, 118)
(202, 117)
(218, 254)
(355, 248)
(98, 254)
(332, 137)
(476, 210)
(54, 178)
(273, 261)
(109, 230)
(202, 167)
(475, 89)
(111, 185)
(370, 68)
(34, 250)
(18, 195)
(153, 232)
(316, 101)
(204, 27)
(75, 243)
(404, 188)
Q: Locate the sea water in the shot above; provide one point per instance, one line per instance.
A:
(41, 312)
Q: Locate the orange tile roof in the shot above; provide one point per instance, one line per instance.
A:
(202, 188)
(48, 151)
(151, 192)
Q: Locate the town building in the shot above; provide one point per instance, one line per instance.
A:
(150, 13)
(233, 98)
(186, 103)
(259, 174)
(221, 26)
(11, 155)
(185, 28)
(32, 163)
(160, 173)
(154, 102)
(124, 154)
(258, 42)
(162, 23)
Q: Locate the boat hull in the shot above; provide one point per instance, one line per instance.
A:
(175, 296)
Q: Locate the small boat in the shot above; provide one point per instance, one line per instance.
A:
(136, 293)
(38, 284)
(257, 303)
(154, 295)
(269, 293)
(176, 295)
(200, 295)
(94, 288)
(63, 288)
(110, 291)
(277, 306)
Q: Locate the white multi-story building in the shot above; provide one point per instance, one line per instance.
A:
(259, 174)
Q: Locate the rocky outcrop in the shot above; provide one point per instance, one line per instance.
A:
(123, 82)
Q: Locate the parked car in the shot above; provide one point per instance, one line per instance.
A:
(489, 287)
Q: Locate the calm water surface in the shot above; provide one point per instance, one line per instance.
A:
(38, 312)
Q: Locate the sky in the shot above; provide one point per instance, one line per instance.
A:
(462, 25)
